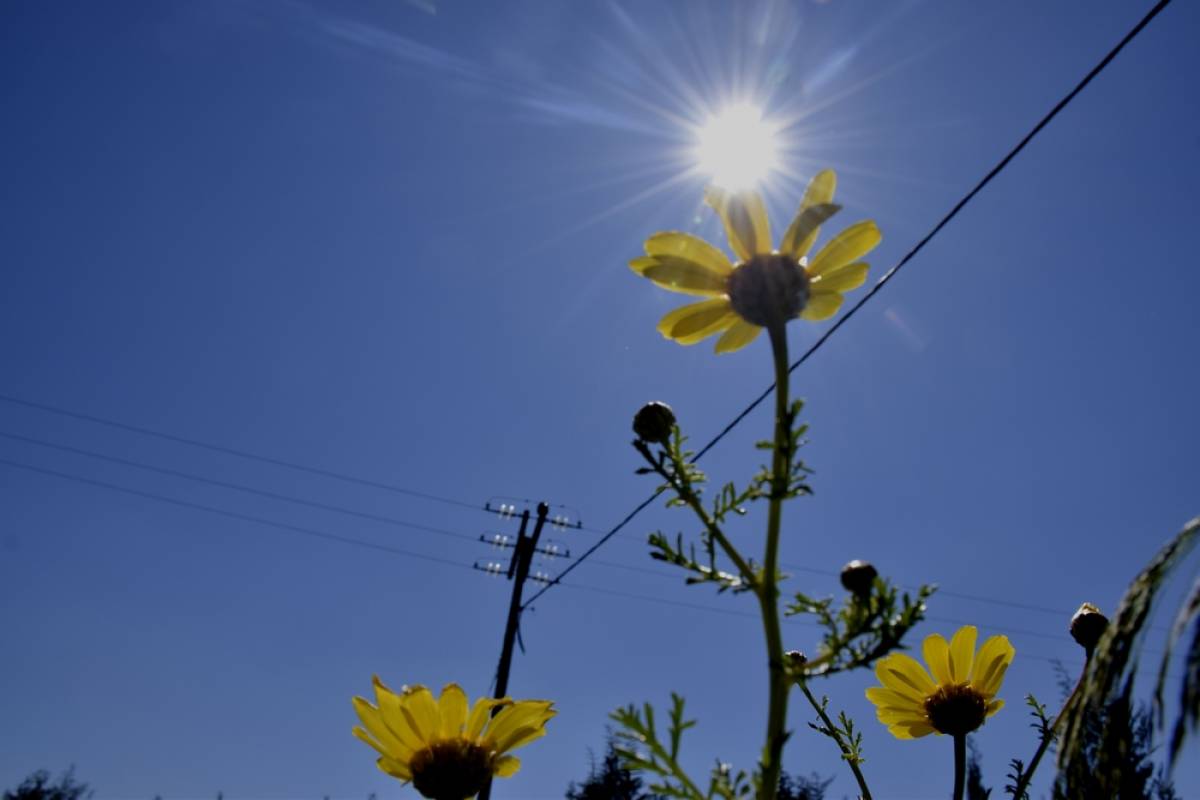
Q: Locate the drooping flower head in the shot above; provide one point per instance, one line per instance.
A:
(957, 699)
(448, 752)
(764, 287)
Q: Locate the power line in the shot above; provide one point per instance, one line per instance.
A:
(216, 448)
(239, 487)
(363, 543)
(335, 537)
(887, 276)
(388, 520)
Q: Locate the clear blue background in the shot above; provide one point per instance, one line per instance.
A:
(388, 239)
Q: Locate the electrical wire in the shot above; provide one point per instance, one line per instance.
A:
(216, 448)
(237, 487)
(334, 537)
(883, 281)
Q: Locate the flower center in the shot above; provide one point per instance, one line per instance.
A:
(768, 289)
(451, 770)
(956, 709)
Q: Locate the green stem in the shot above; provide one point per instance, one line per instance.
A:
(960, 764)
(837, 737)
(1022, 787)
(768, 589)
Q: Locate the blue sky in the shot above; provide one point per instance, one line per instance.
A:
(388, 240)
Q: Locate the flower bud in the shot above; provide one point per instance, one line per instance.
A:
(795, 659)
(1087, 626)
(653, 423)
(858, 577)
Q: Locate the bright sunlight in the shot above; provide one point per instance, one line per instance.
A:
(737, 147)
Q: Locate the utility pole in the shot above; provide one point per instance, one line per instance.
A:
(518, 572)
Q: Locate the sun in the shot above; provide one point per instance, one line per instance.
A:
(737, 147)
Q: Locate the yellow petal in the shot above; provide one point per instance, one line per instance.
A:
(506, 766)
(690, 324)
(891, 716)
(420, 709)
(821, 305)
(902, 673)
(937, 655)
(481, 712)
(804, 228)
(841, 279)
(820, 189)
(642, 263)
(392, 717)
(691, 248)
(740, 334)
(519, 737)
(520, 722)
(911, 731)
(394, 767)
(962, 653)
(849, 245)
(383, 738)
(889, 698)
(994, 706)
(991, 664)
(745, 218)
(687, 277)
(452, 708)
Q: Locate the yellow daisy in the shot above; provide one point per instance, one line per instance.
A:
(447, 752)
(956, 700)
(765, 287)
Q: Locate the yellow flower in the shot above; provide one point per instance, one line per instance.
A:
(765, 286)
(447, 753)
(959, 697)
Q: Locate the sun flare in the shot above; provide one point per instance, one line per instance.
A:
(737, 147)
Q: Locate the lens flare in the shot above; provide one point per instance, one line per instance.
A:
(737, 147)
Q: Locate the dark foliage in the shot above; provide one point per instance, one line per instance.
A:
(609, 781)
(795, 787)
(1117, 746)
(38, 786)
(975, 788)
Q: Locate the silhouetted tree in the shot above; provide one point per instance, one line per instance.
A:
(975, 788)
(796, 787)
(1118, 745)
(38, 787)
(609, 781)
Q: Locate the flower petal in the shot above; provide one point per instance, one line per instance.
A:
(452, 708)
(391, 715)
(506, 766)
(394, 767)
(692, 248)
(690, 324)
(481, 712)
(821, 305)
(642, 263)
(520, 723)
(687, 277)
(962, 653)
(383, 738)
(937, 655)
(804, 228)
(420, 709)
(849, 245)
(740, 334)
(889, 698)
(990, 665)
(841, 279)
(745, 218)
(904, 674)
(911, 731)
(994, 706)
